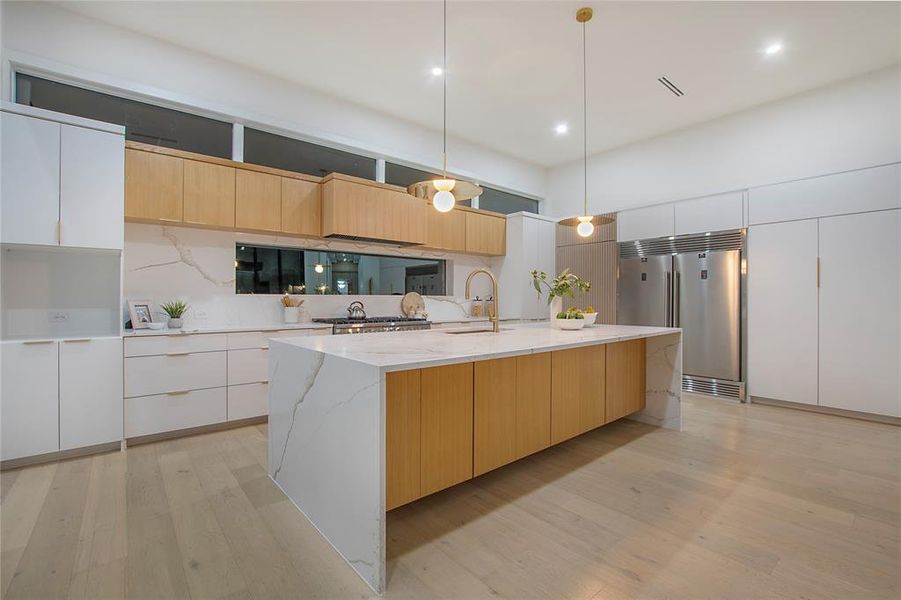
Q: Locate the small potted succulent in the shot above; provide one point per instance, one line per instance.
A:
(563, 285)
(570, 319)
(176, 309)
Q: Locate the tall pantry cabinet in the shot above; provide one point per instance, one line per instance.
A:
(823, 291)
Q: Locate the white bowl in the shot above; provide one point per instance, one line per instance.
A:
(156, 325)
(570, 324)
(590, 318)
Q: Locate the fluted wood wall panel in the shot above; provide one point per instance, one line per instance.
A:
(593, 259)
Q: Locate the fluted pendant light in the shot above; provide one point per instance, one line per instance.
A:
(447, 191)
(585, 222)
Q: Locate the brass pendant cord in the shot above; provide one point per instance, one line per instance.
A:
(584, 121)
(444, 108)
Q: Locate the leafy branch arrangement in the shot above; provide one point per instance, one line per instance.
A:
(564, 284)
(175, 309)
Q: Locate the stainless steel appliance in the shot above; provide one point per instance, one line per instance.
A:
(694, 282)
(374, 324)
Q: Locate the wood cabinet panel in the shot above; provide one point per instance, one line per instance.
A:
(625, 378)
(402, 431)
(360, 208)
(578, 396)
(495, 415)
(209, 194)
(258, 201)
(301, 207)
(446, 231)
(533, 403)
(485, 234)
(154, 186)
(446, 431)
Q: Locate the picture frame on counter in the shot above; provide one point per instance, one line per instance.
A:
(141, 313)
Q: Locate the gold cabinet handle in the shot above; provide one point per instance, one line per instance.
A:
(77, 340)
(178, 353)
(178, 393)
(31, 342)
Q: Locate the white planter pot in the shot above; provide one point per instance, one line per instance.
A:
(292, 314)
(175, 323)
(556, 306)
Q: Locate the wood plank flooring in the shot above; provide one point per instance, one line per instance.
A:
(747, 502)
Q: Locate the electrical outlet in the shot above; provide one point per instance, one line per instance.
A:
(200, 315)
(58, 317)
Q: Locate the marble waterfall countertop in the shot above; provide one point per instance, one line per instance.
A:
(402, 350)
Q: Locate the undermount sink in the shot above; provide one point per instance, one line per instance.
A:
(461, 331)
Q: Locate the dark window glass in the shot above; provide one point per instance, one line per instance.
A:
(404, 176)
(262, 148)
(506, 203)
(143, 122)
(267, 270)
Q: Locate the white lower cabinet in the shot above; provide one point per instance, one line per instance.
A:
(147, 375)
(90, 392)
(248, 366)
(161, 413)
(30, 399)
(248, 400)
(860, 302)
(782, 311)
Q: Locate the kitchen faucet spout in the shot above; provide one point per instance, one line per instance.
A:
(497, 307)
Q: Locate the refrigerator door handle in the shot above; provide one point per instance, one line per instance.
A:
(677, 285)
(667, 301)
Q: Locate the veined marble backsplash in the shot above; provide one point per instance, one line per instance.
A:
(198, 266)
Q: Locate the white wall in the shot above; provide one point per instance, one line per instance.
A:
(56, 40)
(850, 125)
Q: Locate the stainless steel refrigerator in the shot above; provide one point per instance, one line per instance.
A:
(696, 283)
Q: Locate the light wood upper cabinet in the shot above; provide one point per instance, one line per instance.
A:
(579, 394)
(209, 194)
(154, 186)
(446, 231)
(358, 208)
(301, 207)
(446, 430)
(258, 201)
(485, 234)
(494, 421)
(402, 437)
(625, 378)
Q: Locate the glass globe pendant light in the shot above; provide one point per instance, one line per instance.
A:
(585, 222)
(445, 192)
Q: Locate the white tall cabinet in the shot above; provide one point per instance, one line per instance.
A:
(531, 244)
(860, 303)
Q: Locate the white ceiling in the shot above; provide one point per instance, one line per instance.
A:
(515, 68)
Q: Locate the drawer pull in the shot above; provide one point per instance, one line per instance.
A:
(264, 347)
(178, 393)
(30, 342)
(77, 340)
(178, 354)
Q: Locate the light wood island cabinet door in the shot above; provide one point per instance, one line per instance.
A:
(446, 231)
(154, 186)
(533, 403)
(209, 194)
(301, 207)
(258, 201)
(578, 397)
(402, 432)
(486, 234)
(446, 431)
(495, 418)
(625, 378)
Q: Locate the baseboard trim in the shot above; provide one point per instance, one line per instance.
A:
(27, 461)
(825, 410)
(168, 435)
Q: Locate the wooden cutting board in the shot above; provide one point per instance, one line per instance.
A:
(411, 303)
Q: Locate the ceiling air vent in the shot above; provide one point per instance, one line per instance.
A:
(670, 86)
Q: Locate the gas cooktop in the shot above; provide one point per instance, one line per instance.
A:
(346, 321)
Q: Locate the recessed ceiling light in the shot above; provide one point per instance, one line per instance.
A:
(561, 128)
(436, 71)
(773, 49)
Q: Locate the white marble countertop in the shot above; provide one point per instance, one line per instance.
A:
(227, 329)
(398, 351)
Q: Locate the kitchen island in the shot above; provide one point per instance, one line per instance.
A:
(361, 424)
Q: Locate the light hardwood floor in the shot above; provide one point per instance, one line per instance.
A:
(747, 502)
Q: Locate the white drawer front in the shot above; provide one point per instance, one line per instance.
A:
(250, 400)
(249, 340)
(175, 344)
(171, 412)
(248, 366)
(146, 375)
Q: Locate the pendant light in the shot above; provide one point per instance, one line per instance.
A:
(447, 191)
(584, 222)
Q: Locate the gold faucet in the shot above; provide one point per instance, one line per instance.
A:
(497, 310)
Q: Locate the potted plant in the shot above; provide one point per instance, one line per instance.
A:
(564, 284)
(292, 308)
(176, 309)
(570, 319)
